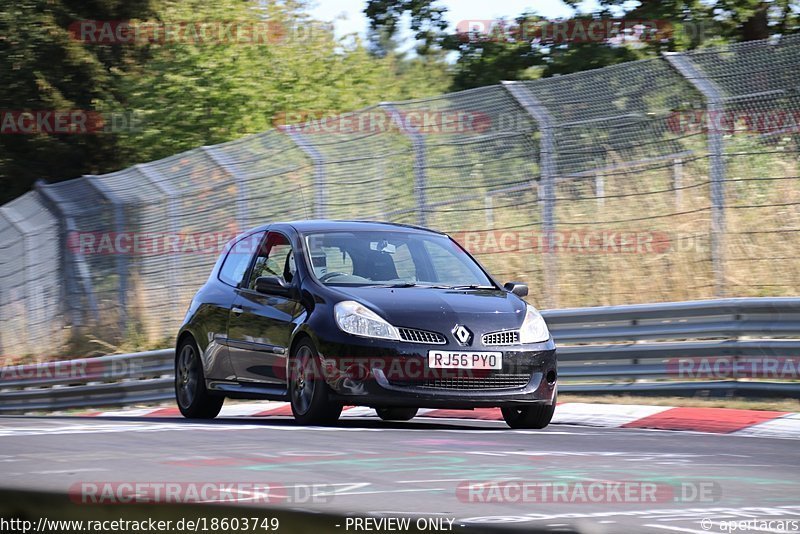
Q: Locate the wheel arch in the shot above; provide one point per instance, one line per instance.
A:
(183, 336)
(300, 335)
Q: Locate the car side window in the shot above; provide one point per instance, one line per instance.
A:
(236, 262)
(275, 258)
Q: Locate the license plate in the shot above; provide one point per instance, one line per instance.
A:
(444, 359)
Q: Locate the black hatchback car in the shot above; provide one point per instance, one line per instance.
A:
(325, 314)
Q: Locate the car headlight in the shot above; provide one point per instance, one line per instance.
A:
(359, 320)
(534, 329)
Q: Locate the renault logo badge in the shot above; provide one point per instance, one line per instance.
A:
(462, 334)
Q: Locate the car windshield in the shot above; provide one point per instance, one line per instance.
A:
(396, 259)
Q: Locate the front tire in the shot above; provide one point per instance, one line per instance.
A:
(537, 416)
(397, 414)
(308, 391)
(194, 400)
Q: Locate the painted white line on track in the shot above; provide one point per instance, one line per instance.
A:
(115, 428)
(80, 427)
(656, 514)
(449, 480)
(677, 529)
(376, 492)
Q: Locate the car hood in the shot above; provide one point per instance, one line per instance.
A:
(481, 310)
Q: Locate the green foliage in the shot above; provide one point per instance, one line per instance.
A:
(182, 94)
(201, 94)
(684, 25)
(43, 68)
(427, 21)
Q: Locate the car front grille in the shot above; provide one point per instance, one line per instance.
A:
(507, 337)
(472, 383)
(421, 336)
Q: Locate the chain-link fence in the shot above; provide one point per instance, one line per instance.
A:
(664, 179)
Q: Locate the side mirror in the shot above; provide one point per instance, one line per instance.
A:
(518, 288)
(273, 285)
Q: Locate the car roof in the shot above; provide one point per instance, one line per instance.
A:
(323, 225)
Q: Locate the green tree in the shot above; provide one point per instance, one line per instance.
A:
(184, 92)
(42, 67)
(427, 21)
(196, 94)
(510, 54)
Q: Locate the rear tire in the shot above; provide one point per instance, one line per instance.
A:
(537, 416)
(308, 392)
(397, 413)
(194, 400)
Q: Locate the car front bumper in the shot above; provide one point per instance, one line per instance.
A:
(379, 373)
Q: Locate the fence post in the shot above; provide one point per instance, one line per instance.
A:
(547, 165)
(715, 105)
(420, 173)
(677, 179)
(600, 188)
(489, 210)
(121, 260)
(172, 209)
(26, 288)
(320, 209)
(75, 267)
(222, 161)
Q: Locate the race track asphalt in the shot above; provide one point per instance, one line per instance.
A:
(592, 479)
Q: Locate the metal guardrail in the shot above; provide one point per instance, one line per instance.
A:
(116, 380)
(618, 349)
(735, 346)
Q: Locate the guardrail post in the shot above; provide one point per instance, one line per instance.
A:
(420, 172)
(320, 209)
(172, 210)
(222, 161)
(547, 165)
(75, 267)
(715, 105)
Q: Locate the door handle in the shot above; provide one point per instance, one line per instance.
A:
(237, 311)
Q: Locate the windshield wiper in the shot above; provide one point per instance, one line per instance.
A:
(436, 286)
(472, 286)
(413, 284)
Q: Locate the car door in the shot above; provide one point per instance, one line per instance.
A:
(260, 325)
(212, 306)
